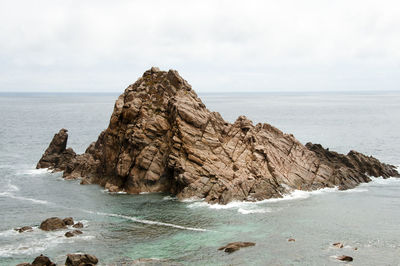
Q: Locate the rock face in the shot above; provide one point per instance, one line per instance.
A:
(161, 138)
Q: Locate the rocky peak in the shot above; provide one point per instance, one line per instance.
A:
(162, 138)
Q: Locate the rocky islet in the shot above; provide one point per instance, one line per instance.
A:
(162, 138)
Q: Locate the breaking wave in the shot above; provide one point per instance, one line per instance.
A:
(247, 207)
(151, 222)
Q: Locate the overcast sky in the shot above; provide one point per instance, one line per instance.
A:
(103, 46)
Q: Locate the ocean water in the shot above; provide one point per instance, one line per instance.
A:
(121, 227)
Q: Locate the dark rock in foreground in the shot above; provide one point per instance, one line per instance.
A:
(234, 246)
(80, 259)
(162, 138)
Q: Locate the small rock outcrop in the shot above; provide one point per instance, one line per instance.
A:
(55, 223)
(73, 233)
(234, 246)
(80, 259)
(78, 225)
(162, 138)
(24, 229)
(42, 261)
(345, 258)
(68, 221)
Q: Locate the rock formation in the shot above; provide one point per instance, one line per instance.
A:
(54, 223)
(162, 138)
(80, 259)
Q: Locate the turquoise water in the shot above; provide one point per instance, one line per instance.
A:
(122, 227)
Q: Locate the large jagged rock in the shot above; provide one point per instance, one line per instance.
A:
(161, 138)
(57, 155)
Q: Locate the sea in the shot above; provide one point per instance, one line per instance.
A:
(161, 230)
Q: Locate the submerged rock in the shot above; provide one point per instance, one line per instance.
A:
(162, 138)
(338, 245)
(345, 258)
(80, 259)
(234, 246)
(24, 229)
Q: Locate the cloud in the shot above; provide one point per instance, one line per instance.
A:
(216, 45)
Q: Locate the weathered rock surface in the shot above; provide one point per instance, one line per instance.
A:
(80, 259)
(53, 223)
(161, 138)
(234, 246)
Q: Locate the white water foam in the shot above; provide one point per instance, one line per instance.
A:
(10, 195)
(250, 211)
(37, 242)
(114, 193)
(247, 207)
(384, 181)
(169, 198)
(35, 171)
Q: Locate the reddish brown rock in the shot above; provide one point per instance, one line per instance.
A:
(78, 225)
(69, 234)
(338, 245)
(162, 138)
(68, 221)
(80, 259)
(57, 155)
(291, 240)
(53, 223)
(234, 246)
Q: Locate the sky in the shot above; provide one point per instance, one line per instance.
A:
(217, 46)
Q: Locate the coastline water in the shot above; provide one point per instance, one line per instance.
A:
(124, 227)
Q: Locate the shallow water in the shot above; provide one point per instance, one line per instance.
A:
(121, 227)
